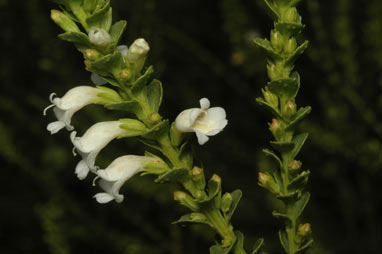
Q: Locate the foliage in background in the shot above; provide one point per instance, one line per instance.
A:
(45, 210)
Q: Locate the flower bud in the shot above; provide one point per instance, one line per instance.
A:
(291, 15)
(64, 21)
(155, 117)
(125, 74)
(276, 129)
(289, 109)
(137, 53)
(226, 202)
(92, 54)
(266, 181)
(186, 200)
(271, 98)
(198, 178)
(277, 40)
(290, 46)
(304, 230)
(99, 37)
(273, 73)
(294, 166)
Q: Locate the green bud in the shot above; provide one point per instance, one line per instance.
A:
(198, 217)
(186, 200)
(216, 178)
(276, 129)
(198, 178)
(289, 109)
(271, 98)
(226, 202)
(266, 181)
(290, 46)
(277, 40)
(291, 15)
(155, 117)
(304, 230)
(125, 74)
(92, 54)
(294, 166)
(273, 73)
(64, 21)
(134, 127)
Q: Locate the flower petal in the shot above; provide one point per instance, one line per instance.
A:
(204, 103)
(82, 170)
(54, 127)
(103, 197)
(202, 138)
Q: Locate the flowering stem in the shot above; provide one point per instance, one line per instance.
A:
(279, 97)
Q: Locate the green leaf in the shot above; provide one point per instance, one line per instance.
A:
(129, 106)
(298, 142)
(143, 80)
(236, 196)
(282, 146)
(110, 62)
(76, 37)
(300, 204)
(185, 154)
(213, 187)
(293, 3)
(298, 51)
(157, 130)
(257, 246)
(286, 88)
(89, 5)
(192, 218)
(286, 28)
(274, 111)
(239, 245)
(154, 95)
(301, 114)
(101, 18)
(265, 44)
(284, 240)
(174, 175)
(151, 143)
(111, 81)
(218, 249)
(117, 30)
(272, 7)
(299, 181)
(281, 216)
(305, 246)
(270, 153)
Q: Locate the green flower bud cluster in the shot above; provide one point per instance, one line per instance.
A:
(289, 181)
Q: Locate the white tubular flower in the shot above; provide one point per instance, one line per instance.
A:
(99, 36)
(204, 121)
(75, 99)
(92, 142)
(116, 174)
(137, 52)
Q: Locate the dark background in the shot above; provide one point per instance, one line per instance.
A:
(199, 49)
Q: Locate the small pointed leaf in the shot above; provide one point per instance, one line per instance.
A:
(298, 51)
(300, 204)
(306, 245)
(281, 216)
(154, 95)
(286, 28)
(143, 80)
(266, 45)
(116, 31)
(301, 113)
(239, 245)
(274, 111)
(299, 181)
(236, 196)
(109, 62)
(270, 153)
(192, 218)
(101, 18)
(282, 146)
(257, 246)
(298, 142)
(174, 175)
(284, 240)
(286, 88)
(218, 249)
(76, 37)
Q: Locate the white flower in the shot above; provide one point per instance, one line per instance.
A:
(137, 53)
(64, 108)
(204, 121)
(99, 36)
(92, 142)
(116, 174)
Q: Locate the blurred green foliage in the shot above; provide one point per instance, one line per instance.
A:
(199, 49)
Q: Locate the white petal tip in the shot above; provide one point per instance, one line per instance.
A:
(103, 197)
(202, 138)
(55, 127)
(204, 103)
